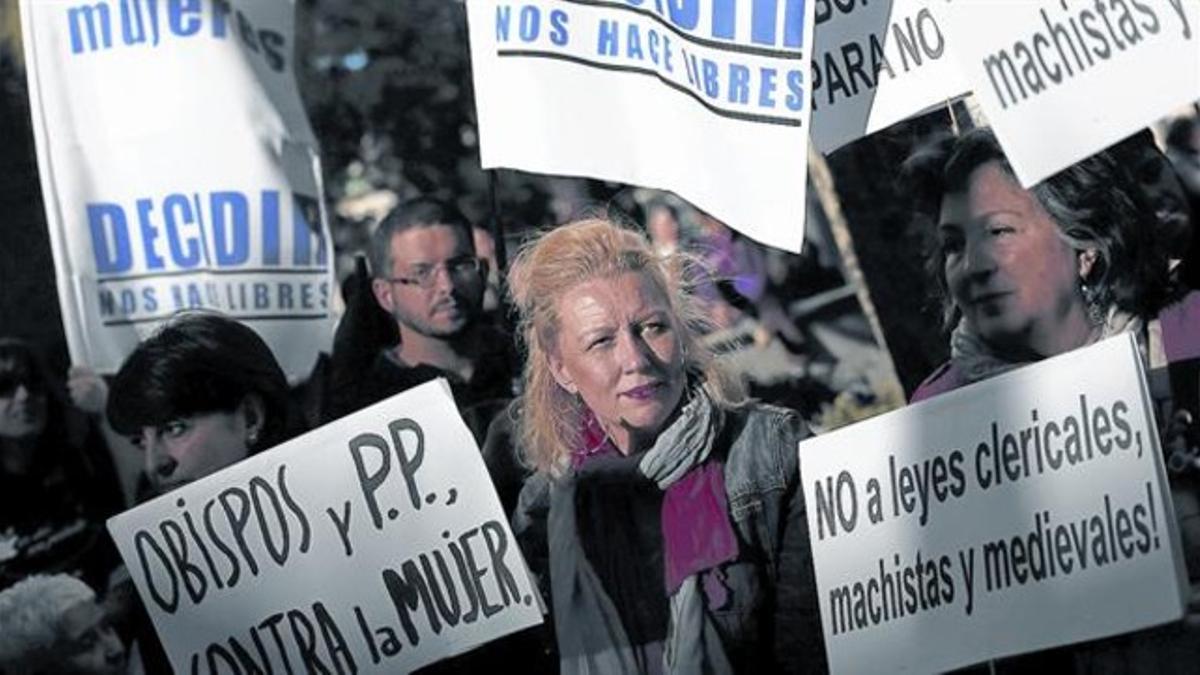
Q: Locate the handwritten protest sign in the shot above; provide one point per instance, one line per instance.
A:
(178, 171)
(1060, 81)
(876, 63)
(1023, 512)
(375, 544)
(708, 98)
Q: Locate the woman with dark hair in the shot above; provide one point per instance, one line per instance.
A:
(665, 512)
(1028, 274)
(200, 394)
(57, 483)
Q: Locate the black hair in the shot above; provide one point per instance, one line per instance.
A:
(417, 212)
(1097, 203)
(1145, 162)
(1179, 134)
(20, 364)
(199, 363)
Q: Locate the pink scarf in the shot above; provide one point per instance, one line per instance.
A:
(697, 533)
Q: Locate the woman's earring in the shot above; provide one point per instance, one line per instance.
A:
(252, 437)
(1091, 300)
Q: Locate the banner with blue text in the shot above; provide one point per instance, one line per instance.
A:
(707, 98)
(178, 171)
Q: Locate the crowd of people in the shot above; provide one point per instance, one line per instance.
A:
(654, 493)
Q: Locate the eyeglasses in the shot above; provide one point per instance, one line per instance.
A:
(424, 275)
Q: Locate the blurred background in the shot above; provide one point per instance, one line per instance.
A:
(844, 330)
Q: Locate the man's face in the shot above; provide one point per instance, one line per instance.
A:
(435, 287)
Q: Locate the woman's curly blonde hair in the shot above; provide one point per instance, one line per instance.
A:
(553, 263)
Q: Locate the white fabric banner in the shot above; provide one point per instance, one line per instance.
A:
(1060, 81)
(375, 544)
(1023, 512)
(707, 98)
(878, 63)
(178, 171)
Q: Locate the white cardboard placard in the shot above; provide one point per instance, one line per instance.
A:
(374, 544)
(878, 63)
(1023, 512)
(1061, 80)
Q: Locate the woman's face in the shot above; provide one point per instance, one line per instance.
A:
(619, 349)
(1015, 280)
(194, 446)
(22, 410)
(89, 645)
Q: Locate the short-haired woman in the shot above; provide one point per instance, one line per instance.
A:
(201, 393)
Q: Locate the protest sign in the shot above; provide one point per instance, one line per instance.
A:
(1027, 511)
(178, 171)
(375, 544)
(1060, 81)
(875, 64)
(707, 98)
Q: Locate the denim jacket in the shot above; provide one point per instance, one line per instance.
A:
(770, 622)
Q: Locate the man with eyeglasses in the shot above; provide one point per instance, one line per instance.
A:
(426, 275)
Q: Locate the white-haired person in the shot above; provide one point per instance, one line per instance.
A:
(52, 625)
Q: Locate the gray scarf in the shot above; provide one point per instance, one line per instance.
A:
(591, 639)
(686, 443)
(977, 361)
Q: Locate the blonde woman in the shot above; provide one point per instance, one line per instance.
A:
(665, 508)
